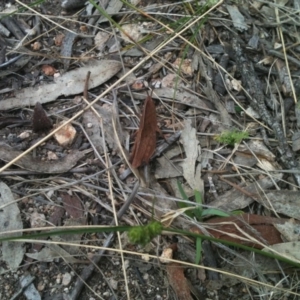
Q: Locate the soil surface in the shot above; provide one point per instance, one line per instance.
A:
(126, 114)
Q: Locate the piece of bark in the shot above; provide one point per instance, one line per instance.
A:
(67, 48)
(13, 26)
(257, 97)
(211, 94)
(220, 77)
(15, 121)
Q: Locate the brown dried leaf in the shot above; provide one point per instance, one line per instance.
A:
(72, 205)
(178, 281)
(56, 216)
(145, 141)
(259, 227)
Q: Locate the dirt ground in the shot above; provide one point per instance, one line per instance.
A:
(117, 113)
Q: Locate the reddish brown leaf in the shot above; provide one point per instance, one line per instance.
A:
(178, 281)
(145, 141)
(257, 226)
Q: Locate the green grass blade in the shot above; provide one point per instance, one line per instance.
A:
(214, 212)
(198, 251)
(184, 197)
(198, 211)
(181, 191)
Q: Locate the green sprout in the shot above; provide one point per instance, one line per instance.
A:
(232, 137)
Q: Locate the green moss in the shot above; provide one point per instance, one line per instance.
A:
(144, 234)
(232, 137)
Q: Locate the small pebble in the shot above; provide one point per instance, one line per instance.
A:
(66, 279)
(114, 284)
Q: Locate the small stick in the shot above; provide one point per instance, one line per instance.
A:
(86, 85)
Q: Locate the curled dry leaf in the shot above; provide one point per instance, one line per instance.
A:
(40, 120)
